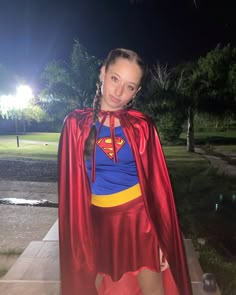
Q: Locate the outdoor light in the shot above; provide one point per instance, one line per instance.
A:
(221, 197)
(23, 95)
(16, 102)
(233, 198)
(4, 103)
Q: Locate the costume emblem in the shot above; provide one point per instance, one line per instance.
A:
(105, 144)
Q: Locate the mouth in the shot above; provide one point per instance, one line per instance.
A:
(114, 99)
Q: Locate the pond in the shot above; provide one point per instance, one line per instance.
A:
(27, 202)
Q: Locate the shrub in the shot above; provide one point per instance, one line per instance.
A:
(225, 271)
(169, 125)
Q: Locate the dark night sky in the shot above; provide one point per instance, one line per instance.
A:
(35, 32)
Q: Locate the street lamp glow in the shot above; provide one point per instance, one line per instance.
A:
(18, 101)
(23, 95)
(6, 103)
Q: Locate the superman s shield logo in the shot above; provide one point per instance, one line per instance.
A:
(105, 144)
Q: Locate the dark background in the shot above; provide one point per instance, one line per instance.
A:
(35, 32)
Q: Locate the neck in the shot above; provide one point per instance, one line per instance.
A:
(107, 121)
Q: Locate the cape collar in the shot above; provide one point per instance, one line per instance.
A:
(112, 116)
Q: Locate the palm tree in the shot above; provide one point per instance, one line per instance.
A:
(70, 85)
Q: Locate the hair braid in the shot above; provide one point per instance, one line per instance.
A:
(97, 103)
(90, 141)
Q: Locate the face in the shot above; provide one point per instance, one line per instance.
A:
(120, 84)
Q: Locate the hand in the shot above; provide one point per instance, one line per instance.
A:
(163, 262)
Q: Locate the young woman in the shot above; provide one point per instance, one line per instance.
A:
(118, 227)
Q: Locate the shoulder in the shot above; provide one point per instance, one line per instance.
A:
(140, 117)
(78, 117)
(77, 121)
(142, 124)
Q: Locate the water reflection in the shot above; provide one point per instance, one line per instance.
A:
(26, 202)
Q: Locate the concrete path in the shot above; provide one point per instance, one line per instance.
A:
(36, 272)
(222, 166)
(19, 225)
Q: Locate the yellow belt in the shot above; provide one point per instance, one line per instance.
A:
(117, 199)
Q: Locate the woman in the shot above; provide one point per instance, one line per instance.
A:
(118, 227)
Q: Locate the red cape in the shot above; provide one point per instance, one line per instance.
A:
(75, 232)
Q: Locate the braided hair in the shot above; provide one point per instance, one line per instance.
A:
(90, 141)
(111, 59)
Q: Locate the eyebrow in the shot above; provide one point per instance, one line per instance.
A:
(114, 73)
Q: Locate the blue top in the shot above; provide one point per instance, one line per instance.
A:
(112, 177)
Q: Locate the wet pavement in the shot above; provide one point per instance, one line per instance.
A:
(25, 202)
(19, 225)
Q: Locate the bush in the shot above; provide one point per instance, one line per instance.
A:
(224, 271)
(169, 125)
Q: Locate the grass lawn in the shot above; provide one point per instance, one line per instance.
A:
(33, 145)
(213, 137)
(48, 137)
(226, 148)
(196, 187)
(212, 134)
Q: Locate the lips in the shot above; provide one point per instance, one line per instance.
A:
(114, 99)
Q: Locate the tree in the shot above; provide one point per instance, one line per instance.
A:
(189, 97)
(162, 102)
(216, 77)
(70, 85)
(208, 86)
(205, 86)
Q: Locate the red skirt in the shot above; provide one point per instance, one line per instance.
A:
(125, 241)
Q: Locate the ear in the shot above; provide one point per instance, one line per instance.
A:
(102, 73)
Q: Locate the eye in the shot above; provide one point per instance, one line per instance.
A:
(131, 88)
(114, 78)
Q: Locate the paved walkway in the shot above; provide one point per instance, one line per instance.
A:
(19, 225)
(222, 166)
(36, 272)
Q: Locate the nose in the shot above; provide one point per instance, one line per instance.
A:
(119, 90)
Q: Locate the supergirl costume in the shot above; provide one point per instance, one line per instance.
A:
(120, 232)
